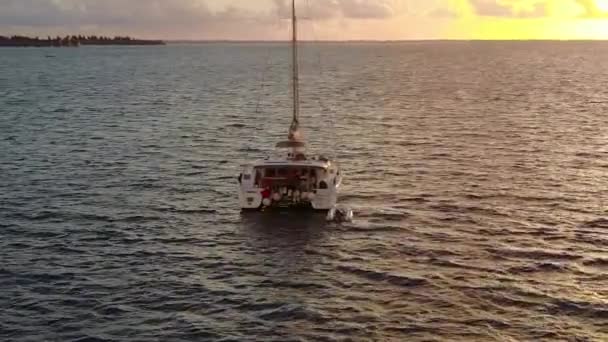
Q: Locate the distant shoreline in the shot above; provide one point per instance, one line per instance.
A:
(74, 41)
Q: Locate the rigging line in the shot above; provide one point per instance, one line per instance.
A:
(263, 72)
(324, 109)
(266, 68)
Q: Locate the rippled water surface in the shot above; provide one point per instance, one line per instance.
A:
(478, 173)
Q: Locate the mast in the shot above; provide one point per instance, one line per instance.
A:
(294, 129)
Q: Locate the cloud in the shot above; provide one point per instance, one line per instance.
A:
(107, 12)
(490, 8)
(349, 9)
(443, 13)
(369, 9)
(591, 9)
(171, 18)
(150, 18)
(510, 8)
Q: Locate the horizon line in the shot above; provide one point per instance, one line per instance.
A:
(378, 40)
(180, 40)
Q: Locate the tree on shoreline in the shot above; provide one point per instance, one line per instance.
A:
(74, 40)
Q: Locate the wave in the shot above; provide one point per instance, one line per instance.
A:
(236, 125)
(453, 264)
(535, 254)
(385, 217)
(380, 228)
(519, 197)
(598, 311)
(596, 262)
(599, 223)
(292, 285)
(186, 211)
(451, 208)
(291, 312)
(540, 267)
(378, 276)
(71, 216)
(89, 339)
(494, 323)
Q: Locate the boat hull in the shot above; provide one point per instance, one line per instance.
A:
(324, 200)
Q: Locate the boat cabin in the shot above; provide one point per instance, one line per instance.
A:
(302, 178)
(291, 182)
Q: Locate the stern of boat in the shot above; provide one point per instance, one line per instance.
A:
(250, 200)
(300, 184)
(250, 197)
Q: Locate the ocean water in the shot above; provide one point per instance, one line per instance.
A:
(478, 172)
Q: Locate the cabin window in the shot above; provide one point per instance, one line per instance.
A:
(270, 172)
(247, 177)
(322, 185)
(282, 172)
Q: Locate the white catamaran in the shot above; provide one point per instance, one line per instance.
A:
(293, 179)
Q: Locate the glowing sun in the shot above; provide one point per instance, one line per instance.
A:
(602, 5)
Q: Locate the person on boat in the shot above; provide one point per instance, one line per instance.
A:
(266, 198)
(266, 193)
(303, 184)
(258, 177)
(313, 181)
(297, 174)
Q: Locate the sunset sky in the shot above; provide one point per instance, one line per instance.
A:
(323, 19)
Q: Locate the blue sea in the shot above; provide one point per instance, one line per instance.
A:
(478, 173)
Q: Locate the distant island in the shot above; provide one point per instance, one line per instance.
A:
(73, 41)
